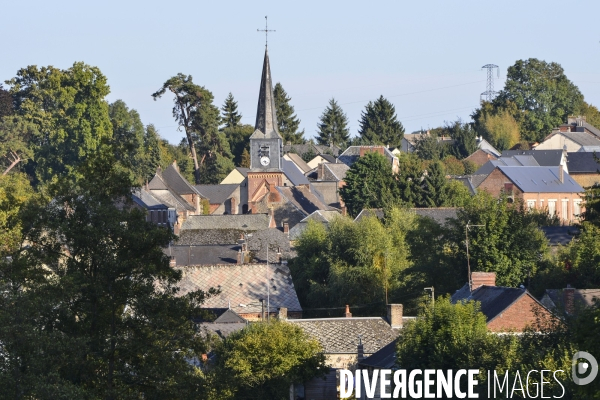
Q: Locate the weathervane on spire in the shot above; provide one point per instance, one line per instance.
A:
(266, 31)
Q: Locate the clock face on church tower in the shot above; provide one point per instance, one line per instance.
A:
(264, 160)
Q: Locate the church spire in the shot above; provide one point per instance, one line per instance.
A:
(266, 118)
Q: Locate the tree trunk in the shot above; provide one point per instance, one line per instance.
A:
(195, 158)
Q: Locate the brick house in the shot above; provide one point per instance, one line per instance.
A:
(584, 168)
(541, 188)
(506, 309)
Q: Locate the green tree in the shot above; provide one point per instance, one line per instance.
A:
(231, 118)
(369, 184)
(245, 162)
(434, 184)
(6, 103)
(287, 121)
(501, 130)
(429, 147)
(333, 126)
(15, 191)
(16, 138)
(70, 112)
(239, 140)
(263, 360)
(410, 180)
(96, 298)
(543, 96)
(379, 124)
(465, 140)
(153, 154)
(591, 113)
(128, 137)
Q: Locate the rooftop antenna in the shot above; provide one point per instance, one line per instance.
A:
(489, 93)
(467, 243)
(266, 31)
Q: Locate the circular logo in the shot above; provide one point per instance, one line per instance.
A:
(580, 368)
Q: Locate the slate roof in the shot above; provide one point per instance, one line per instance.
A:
(384, 358)
(581, 138)
(512, 161)
(302, 199)
(541, 180)
(176, 182)
(352, 153)
(487, 147)
(275, 239)
(301, 149)
(266, 116)
(335, 172)
(494, 299)
(583, 162)
(243, 171)
(225, 324)
(144, 199)
(543, 157)
(172, 200)
(242, 286)
(471, 182)
(300, 163)
(324, 150)
(438, 214)
(220, 229)
(293, 173)
(217, 194)
(560, 235)
(327, 157)
(369, 212)
(321, 216)
(582, 297)
(589, 149)
(341, 335)
(203, 254)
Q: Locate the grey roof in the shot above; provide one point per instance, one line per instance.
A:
(470, 181)
(335, 171)
(369, 212)
(302, 149)
(589, 149)
(438, 214)
(560, 235)
(494, 299)
(384, 358)
(581, 162)
(266, 117)
(326, 150)
(220, 229)
(230, 316)
(543, 157)
(145, 199)
(352, 153)
(487, 147)
(172, 199)
(322, 216)
(328, 191)
(242, 286)
(275, 240)
(582, 297)
(341, 335)
(300, 163)
(218, 194)
(293, 173)
(203, 254)
(176, 182)
(582, 138)
(223, 330)
(512, 161)
(243, 171)
(329, 158)
(541, 180)
(303, 199)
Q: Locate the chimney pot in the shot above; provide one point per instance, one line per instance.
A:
(569, 299)
(172, 262)
(348, 313)
(286, 227)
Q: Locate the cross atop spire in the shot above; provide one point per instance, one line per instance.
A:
(266, 117)
(266, 31)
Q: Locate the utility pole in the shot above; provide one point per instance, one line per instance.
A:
(467, 244)
(489, 93)
(268, 288)
(432, 289)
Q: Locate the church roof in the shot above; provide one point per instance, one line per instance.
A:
(266, 118)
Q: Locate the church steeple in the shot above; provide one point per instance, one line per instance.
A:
(266, 118)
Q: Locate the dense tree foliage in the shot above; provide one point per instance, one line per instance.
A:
(263, 360)
(128, 137)
(6, 103)
(239, 141)
(333, 126)
(287, 122)
(369, 184)
(230, 118)
(16, 136)
(501, 130)
(379, 124)
(69, 111)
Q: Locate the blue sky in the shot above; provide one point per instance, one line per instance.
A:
(424, 56)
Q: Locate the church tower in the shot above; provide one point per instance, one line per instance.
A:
(266, 148)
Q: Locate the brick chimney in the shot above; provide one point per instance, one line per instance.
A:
(348, 313)
(240, 257)
(272, 223)
(482, 278)
(233, 206)
(561, 174)
(394, 315)
(282, 313)
(172, 262)
(569, 299)
(320, 171)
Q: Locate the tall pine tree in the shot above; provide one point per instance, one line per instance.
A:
(230, 117)
(287, 121)
(333, 126)
(379, 124)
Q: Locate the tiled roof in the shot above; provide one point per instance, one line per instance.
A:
(242, 222)
(203, 254)
(487, 147)
(512, 161)
(275, 239)
(222, 329)
(302, 199)
(328, 191)
(300, 163)
(176, 182)
(352, 153)
(145, 199)
(322, 216)
(370, 212)
(543, 157)
(301, 149)
(541, 180)
(217, 194)
(583, 162)
(172, 200)
(341, 335)
(560, 235)
(385, 358)
(582, 297)
(242, 286)
(438, 214)
(293, 173)
(494, 299)
(581, 138)
(335, 172)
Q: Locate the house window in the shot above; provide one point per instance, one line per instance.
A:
(576, 208)
(530, 205)
(552, 207)
(564, 213)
